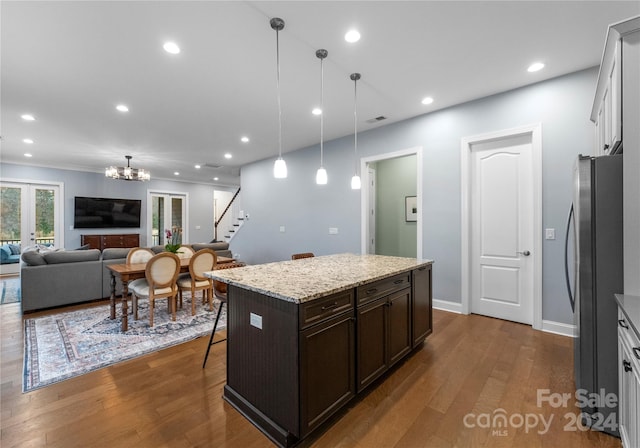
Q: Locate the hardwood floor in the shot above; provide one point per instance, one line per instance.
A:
(469, 365)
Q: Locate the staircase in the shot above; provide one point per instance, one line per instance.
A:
(230, 221)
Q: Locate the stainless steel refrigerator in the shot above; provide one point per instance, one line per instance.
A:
(595, 229)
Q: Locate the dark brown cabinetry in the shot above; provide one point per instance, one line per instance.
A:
(383, 325)
(291, 366)
(107, 241)
(422, 306)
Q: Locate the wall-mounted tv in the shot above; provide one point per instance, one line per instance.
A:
(103, 213)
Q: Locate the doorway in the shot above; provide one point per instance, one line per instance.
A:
(501, 225)
(368, 199)
(167, 211)
(31, 214)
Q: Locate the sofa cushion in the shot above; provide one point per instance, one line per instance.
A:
(33, 258)
(220, 245)
(112, 253)
(15, 249)
(72, 256)
(5, 252)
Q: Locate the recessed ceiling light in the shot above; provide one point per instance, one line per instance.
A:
(28, 141)
(26, 154)
(176, 173)
(171, 47)
(122, 108)
(215, 178)
(427, 100)
(197, 167)
(227, 156)
(28, 117)
(352, 36)
(535, 67)
(244, 139)
(316, 111)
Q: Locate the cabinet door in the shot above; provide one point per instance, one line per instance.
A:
(131, 240)
(327, 375)
(422, 304)
(92, 240)
(399, 318)
(372, 342)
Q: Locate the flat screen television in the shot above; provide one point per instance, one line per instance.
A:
(104, 213)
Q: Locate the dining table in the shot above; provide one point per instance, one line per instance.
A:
(127, 272)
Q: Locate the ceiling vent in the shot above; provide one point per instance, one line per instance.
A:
(211, 165)
(376, 119)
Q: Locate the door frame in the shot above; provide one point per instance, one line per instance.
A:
(59, 204)
(535, 131)
(364, 195)
(149, 214)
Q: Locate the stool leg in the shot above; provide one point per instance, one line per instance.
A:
(215, 325)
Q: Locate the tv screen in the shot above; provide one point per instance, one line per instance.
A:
(101, 213)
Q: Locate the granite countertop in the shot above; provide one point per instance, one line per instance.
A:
(630, 306)
(310, 278)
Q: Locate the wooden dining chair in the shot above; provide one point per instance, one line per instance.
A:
(161, 274)
(202, 261)
(302, 255)
(185, 251)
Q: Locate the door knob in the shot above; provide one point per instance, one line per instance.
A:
(526, 253)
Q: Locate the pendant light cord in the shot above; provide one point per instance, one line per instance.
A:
(322, 109)
(278, 88)
(355, 123)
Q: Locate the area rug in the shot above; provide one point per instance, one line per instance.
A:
(65, 345)
(10, 290)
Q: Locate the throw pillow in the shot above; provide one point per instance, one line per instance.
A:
(15, 249)
(33, 258)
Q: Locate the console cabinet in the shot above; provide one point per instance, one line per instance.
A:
(108, 241)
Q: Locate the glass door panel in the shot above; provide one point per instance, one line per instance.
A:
(167, 212)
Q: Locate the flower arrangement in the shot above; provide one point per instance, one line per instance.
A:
(173, 240)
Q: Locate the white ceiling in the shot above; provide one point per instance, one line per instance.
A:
(69, 63)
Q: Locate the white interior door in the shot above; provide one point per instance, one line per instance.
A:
(372, 211)
(167, 211)
(502, 239)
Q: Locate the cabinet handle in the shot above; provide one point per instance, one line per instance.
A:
(397, 282)
(371, 291)
(627, 366)
(328, 307)
(623, 324)
(636, 351)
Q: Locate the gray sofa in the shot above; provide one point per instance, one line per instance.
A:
(66, 277)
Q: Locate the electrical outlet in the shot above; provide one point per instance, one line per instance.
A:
(281, 229)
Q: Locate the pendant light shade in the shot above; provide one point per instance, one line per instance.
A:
(356, 184)
(321, 174)
(280, 166)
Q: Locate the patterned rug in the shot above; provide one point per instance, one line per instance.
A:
(10, 290)
(65, 345)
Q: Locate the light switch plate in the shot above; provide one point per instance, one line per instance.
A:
(333, 230)
(281, 229)
(550, 234)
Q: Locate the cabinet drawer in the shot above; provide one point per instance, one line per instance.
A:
(317, 310)
(371, 291)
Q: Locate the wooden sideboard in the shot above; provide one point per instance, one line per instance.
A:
(106, 241)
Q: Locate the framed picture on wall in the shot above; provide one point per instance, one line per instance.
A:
(410, 209)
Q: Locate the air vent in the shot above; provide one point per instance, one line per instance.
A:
(376, 119)
(211, 165)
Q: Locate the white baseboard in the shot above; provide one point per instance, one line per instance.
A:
(550, 326)
(445, 305)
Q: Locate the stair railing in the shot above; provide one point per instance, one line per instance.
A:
(215, 224)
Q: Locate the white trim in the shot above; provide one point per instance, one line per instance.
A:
(535, 130)
(549, 326)
(364, 196)
(445, 305)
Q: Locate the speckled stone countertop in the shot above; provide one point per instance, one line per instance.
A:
(630, 306)
(310, 278)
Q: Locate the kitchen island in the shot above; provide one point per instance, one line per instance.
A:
(304, 337)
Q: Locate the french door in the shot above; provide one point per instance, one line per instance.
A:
(167, 211)
(31, 214)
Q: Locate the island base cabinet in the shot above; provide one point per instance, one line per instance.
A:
(327, 371)
(422, 306)
(384, 335)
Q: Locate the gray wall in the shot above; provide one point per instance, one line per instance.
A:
(306, 210)
(395, 179)
(77, 183)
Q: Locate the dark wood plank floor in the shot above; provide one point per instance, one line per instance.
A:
(470, 365)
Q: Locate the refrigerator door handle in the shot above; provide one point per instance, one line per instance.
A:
(566, 259)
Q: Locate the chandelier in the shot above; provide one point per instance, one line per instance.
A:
(126, 172)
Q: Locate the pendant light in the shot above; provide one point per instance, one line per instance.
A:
(321, 175)
(280, 167)
(355, 180)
